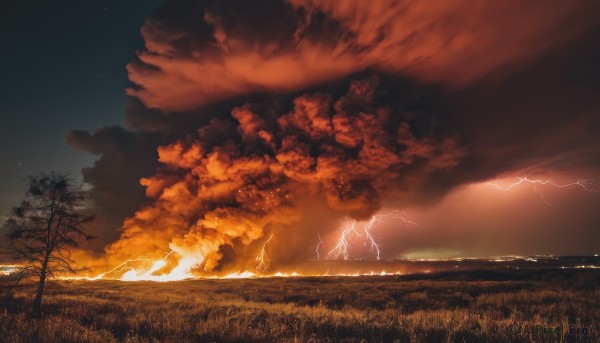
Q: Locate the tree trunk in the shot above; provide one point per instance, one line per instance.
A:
(37, 302)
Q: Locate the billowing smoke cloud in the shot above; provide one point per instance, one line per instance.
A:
(216, 50)
(468, 91)
(231, 182)
(116, 193)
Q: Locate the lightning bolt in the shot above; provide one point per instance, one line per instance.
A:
(399, 215)
(374, 247)
(588, 185)
(263, 259)
(319, 246)
(148, 270)
(343, 246)
(535, 189)
(121, 267)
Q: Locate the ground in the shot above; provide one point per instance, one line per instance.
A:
(473, 306)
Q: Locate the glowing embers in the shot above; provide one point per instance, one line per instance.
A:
(362, 231)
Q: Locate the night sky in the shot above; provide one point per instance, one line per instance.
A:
(204, 128)
(63, 67)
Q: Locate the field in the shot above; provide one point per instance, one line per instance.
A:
(473, 306)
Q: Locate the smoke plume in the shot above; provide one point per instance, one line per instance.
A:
(234, 181)
(248, 120)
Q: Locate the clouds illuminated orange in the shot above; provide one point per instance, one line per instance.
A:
(450, 42)
(233, 193)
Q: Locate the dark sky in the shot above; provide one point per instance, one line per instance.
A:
(206, 127)
(62, 66)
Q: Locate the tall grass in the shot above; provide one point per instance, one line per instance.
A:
(355, 309)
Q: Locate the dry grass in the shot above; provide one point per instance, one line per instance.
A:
(441, 308)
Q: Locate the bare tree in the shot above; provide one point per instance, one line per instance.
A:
(44, 227)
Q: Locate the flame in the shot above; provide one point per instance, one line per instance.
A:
(242, 275)
(8, 269)
(238, 180)
(147, 275)
(186, 262)
(169, 268)
(182, 271)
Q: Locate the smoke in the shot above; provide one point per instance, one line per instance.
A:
(247, 119)
(198, 52)
(232, 182)
(116, 193)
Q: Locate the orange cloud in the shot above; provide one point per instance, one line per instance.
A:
(450, 42)
(211, 194)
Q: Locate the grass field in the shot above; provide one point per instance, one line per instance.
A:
(476, 306)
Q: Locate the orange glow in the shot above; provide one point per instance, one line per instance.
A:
(7, 269)
(443, 41)
(211, 197)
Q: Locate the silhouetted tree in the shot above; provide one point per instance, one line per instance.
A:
(44, 227)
